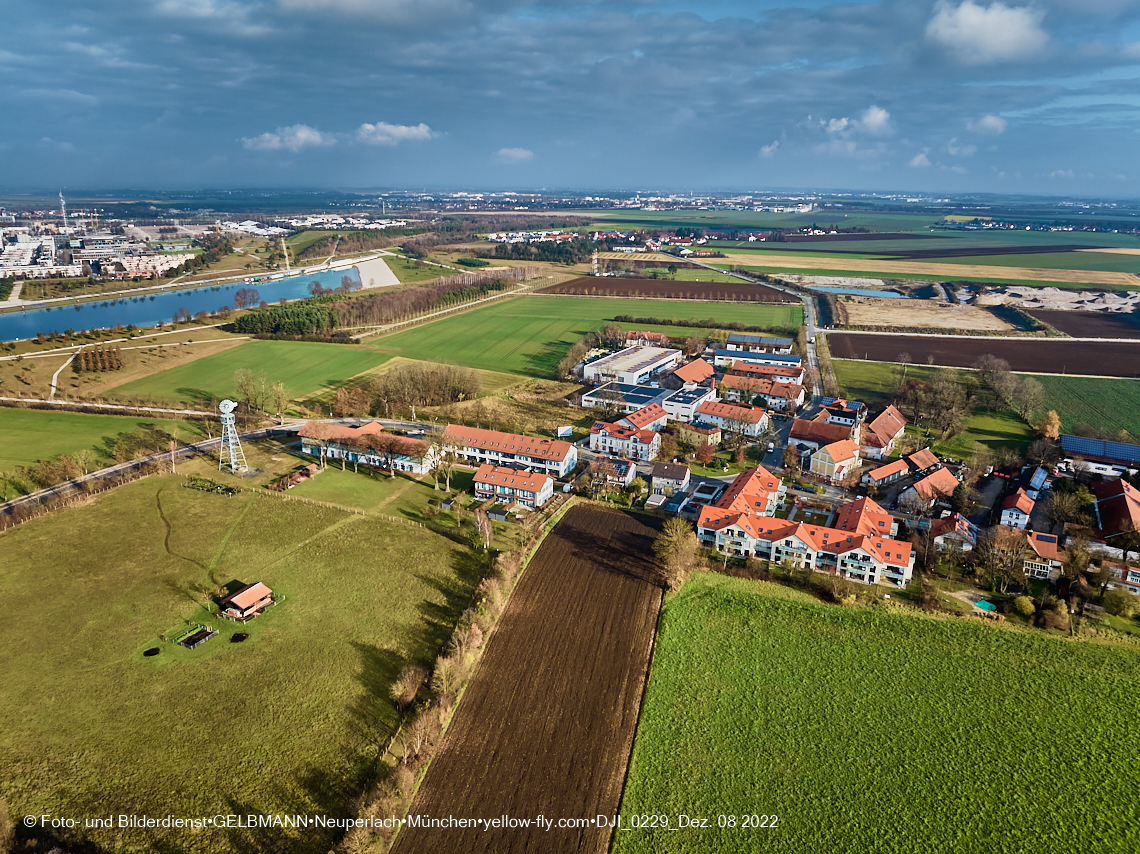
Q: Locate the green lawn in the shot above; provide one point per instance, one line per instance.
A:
(1110, 404)
(33, 434)
(528, 335)
(304, 367)
(290, 721)
(877, 730)
(1103, 261)
(874, 383)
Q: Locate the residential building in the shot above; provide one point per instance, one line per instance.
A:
(939, 484)
(1016, 509)
(361, 445)
(669, 478)
(508, 485)
(922, 461)
(552, 457)
(955, 528)
(1047, 559)
(849, 413)
(617, 472)
(652, 417)
(835, 461)
(787, 397)
(697, 434)
(624, 441)
(758, 343)
(816, 434)
(633, 365)
(682, 404)
(865, 516)
(886, 474)
(637, 338)
(747, 420)
(777, 373)
(1123, 575)
(724, 358)
(867, 558)
(882, 432)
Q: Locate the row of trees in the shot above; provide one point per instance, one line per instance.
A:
(407, 386)
(101, 357)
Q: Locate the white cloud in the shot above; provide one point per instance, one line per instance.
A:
(920, 160)
(514, 155)
(769, 150)
(388, 11)
(383, 133)
(990, 125)
(293, 138)
(960, 150)
(995, 33)
(1061, 173)
(836, 125)
(875, 121)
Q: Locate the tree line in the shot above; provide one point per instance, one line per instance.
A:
(101, 357)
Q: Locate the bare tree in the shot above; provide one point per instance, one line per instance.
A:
(408, 684)
(676, 550)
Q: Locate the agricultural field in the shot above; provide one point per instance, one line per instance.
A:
(546, 725)
(946, 270)
(1107, 404)
(877, 311)
(33, 434)
(876, 729)
(528, 335)
(305, 367)
(291, 720)
(1035, 355)
(1080, 260)
(1091, 324)
(671, 290)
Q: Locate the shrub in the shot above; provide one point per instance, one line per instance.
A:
(1024, 606)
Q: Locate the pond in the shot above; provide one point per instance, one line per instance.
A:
(859, 292)
(152, 308)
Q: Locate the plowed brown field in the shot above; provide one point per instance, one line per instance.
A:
(661, 289)
(547, 723)
(1040, 355)
(1091, 324)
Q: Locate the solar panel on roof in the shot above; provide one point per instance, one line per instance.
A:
(1101, 448)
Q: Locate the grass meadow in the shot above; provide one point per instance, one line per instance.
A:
(34, 434)
(874, 382)
(289, 721)
(305, 367)
(878, 730)
(1110, 404)
(528, 335)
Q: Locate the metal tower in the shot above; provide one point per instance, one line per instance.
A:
(231, 452)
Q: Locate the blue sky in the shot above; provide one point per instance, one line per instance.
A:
(1041, 97)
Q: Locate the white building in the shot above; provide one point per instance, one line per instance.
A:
(633, 365)
(682, 405)
(551, 456)
(620, 440)
(508, 485)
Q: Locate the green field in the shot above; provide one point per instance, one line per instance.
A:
(1110, 404)
(304, 367)
(1054, 260)
(382, 494)
(878, 730)
(528, 335)
(758, 220)
(33, 434)
(289, 721)
(874, 382)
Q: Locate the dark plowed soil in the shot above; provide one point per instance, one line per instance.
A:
(662, 289)
(546, 726)
(1043, 355)
(1092, 324)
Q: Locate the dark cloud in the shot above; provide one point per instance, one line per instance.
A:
(623, 93)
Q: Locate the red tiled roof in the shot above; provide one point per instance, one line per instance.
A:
(473, 437)
(818, 432)
(697, 371)
(748, 368)
(645, 416)
(923, 459)
(504, 476)
(884, 428)
(623, 431)
(249, 595)
(842, 450)
(763, 386)
(938, 482)
(898, 467)
(864, 516)
(744, 414)
(1118, 505)
(1019, 500)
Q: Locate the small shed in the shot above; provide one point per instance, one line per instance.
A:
(447, 504)
(497, 514)
(247, 603)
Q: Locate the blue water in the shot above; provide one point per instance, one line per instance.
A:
(859, 292)
(150, 309)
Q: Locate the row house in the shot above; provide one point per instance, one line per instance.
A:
(508, 485)
(621, 440)
(787, 397)
(724, 358)
(550, 456)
